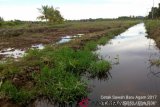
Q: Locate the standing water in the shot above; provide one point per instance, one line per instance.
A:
(131, 74)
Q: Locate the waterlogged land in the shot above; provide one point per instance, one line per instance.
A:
(55, 72)
(19, 37)
(24, 35)
(153, 29)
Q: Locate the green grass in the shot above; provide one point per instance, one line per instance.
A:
(155, 62)
(153, 30)
(99, 67)
(152, 24)
(55, 71)
(58, 77)
(17, 95)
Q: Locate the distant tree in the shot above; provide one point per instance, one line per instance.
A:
(1, 19)
(154, 13)
(50, 14)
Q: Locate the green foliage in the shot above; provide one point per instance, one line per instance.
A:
(154, 13)
(152, 24)
(50, 14)
(59, 76)
(17, 95)
(61, 85)
(103, 40)
(91, 45)
(99, 67)
(1, 19)
(155, 62)
(153, 30)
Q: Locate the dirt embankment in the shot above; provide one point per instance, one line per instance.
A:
(153, 29)
(27, 36)
(23, 38)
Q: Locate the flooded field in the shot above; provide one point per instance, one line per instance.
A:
(132, 73)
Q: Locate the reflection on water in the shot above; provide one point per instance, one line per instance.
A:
(133, 75)
(17, 53)
(38, 46)
(68, 38)
(102, 76)
(11, 52)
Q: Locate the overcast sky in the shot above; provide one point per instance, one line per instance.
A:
(76, 9)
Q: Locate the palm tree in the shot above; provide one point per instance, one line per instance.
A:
(44, 12)
(50, 14)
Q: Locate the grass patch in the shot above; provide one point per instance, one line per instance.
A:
(99, 67)
(155, 62)
(153, 30)
(54, 72)
(17, 95)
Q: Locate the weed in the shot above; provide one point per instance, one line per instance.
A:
(17, 95)
(155, 62)
(99, 67)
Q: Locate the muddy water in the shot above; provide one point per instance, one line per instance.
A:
(131, 73)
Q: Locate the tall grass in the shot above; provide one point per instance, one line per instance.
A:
(59, 74)
(17, 95)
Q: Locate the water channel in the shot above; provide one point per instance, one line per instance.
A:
(132, 73)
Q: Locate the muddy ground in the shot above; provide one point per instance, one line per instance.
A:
(22, 38)
(155, 34)
(153, 30)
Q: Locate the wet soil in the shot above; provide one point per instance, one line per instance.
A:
(22, 38)
(155, 34)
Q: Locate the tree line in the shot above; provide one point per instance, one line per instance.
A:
(154, 13)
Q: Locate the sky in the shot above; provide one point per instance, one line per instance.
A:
(76, 9)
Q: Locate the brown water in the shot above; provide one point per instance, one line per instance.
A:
(131, 73)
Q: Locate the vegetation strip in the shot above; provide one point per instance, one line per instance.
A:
(55, 72)
(153, 29)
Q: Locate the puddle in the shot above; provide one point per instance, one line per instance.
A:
(38, 46)
(133, 75)
(17, 53)
(65, 40)
(11, 52)
(68, 38)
